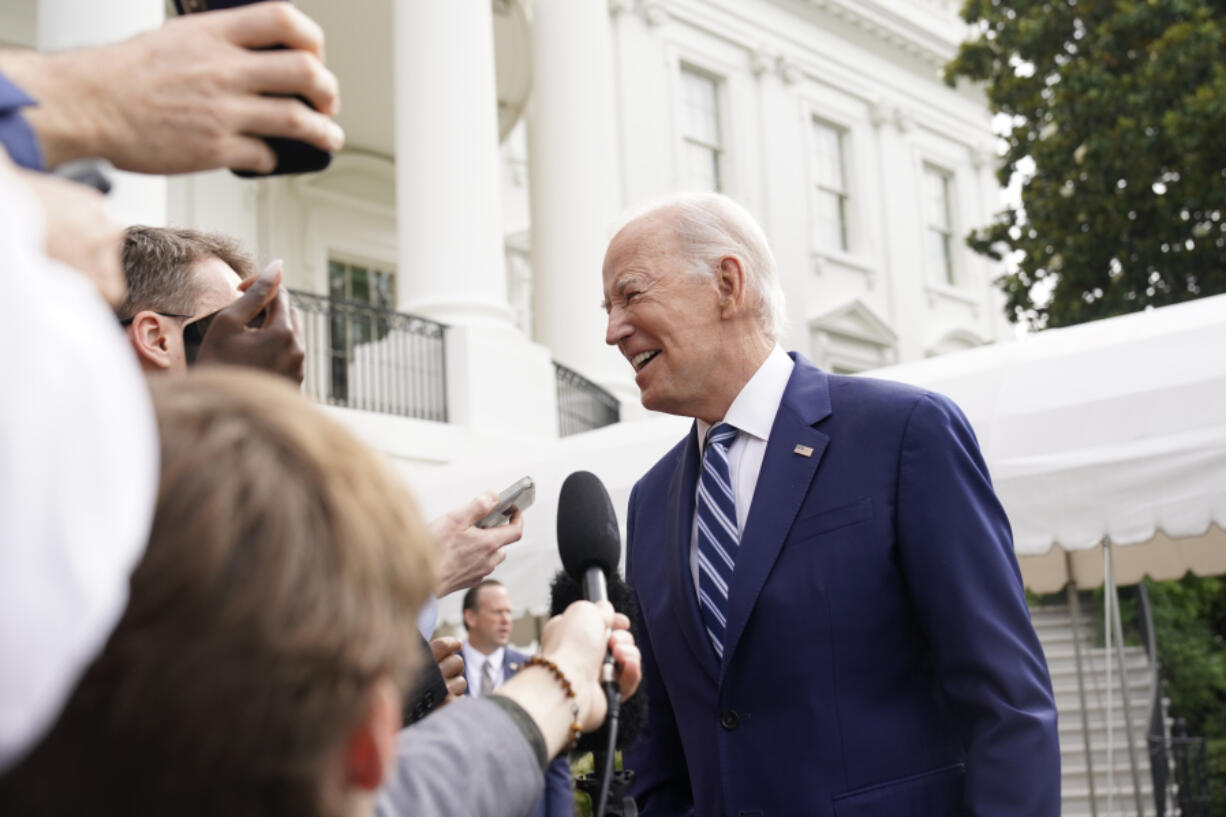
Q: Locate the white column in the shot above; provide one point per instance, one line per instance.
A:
(452, 265)
(451, 262)
(63, 24)
(573, 165)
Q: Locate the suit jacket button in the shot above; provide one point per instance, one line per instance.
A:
(729, 719)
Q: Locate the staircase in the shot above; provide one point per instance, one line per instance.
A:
(1113, 785)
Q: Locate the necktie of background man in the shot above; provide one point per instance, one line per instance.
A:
(487, 678)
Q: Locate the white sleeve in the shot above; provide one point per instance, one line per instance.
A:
(78, 474)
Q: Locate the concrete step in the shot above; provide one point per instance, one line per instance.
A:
(1053, 617)
(1071, 747)
(1070, 712)
(1123, 804)
(1137, 683)
(1060, 662)
(1073, 765)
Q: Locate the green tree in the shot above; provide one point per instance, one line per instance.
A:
(1121, 104)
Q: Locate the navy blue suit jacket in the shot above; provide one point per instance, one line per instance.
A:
(879, 657)
(559, 798)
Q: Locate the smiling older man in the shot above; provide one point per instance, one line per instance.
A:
(833, 620)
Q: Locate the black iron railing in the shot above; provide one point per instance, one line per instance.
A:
(582, 405)
(1190, 792)
(365, 357)
(1179, 763)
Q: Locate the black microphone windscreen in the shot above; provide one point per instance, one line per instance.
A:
(587, 526)
(565, 590)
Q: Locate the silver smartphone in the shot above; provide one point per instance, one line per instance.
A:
(516, 497)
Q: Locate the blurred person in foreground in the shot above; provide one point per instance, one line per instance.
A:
(78, 452)
(490, 660)
(259, 666)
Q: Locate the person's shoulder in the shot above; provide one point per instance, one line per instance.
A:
(513, 659)
(875, 390)
(891, 404)
(864, 393)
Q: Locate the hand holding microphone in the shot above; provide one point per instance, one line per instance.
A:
(579, 641)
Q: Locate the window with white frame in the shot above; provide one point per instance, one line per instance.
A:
(700, 131)
(351, 287)
(830, 187)
(939, 232)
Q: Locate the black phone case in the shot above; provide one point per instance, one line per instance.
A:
(293, 156)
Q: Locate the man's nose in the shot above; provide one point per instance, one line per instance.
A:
(617, 329)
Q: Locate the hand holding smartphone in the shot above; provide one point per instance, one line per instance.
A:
(516, 497)
(293, 156)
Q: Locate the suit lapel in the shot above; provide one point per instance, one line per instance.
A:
(680, 522)
(783, 483)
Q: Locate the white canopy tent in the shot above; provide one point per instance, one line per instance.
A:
(1112, 430)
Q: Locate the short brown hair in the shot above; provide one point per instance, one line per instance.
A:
(157, 263)
(285, 568)
(473, 596)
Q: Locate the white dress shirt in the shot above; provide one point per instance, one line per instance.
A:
(474, 667)
(752, 413)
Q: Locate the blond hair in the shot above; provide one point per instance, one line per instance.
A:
(285, 569)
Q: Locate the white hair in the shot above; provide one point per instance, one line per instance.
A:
(708, 227)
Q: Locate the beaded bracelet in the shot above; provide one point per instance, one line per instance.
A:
(575, 729)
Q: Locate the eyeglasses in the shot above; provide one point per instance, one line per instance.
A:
(128, 321)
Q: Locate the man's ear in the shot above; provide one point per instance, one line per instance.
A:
(470, 619)
(731, 280)
(371, 747)
(148, 333)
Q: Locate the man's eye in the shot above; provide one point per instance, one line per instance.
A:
(630, 296)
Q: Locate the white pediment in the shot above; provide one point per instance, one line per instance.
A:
(855, 319)
(954, 340)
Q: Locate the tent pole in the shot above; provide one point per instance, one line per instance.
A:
(1119, 657)
(1074, 605)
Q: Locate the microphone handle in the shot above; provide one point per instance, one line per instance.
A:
(595, 585)
(596, 588)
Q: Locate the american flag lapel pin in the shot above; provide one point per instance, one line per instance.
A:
(803, 450)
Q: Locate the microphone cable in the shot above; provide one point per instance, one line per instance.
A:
(615, 704)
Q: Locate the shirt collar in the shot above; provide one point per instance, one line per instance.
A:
(474, 658)
(754, 409)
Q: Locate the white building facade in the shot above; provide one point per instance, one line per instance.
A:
(492, 147)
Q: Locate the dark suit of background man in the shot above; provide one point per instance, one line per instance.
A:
(833, 617)
(488, 661)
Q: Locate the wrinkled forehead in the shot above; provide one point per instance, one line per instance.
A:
(637, 246)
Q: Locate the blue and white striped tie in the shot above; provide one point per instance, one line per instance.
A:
(718, 539)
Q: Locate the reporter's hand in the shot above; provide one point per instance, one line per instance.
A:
(450, 662)
(274, 346)
(577, 640)
(81, 232)
(196, 93)
(471, 553)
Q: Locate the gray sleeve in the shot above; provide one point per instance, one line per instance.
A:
(469, 758)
